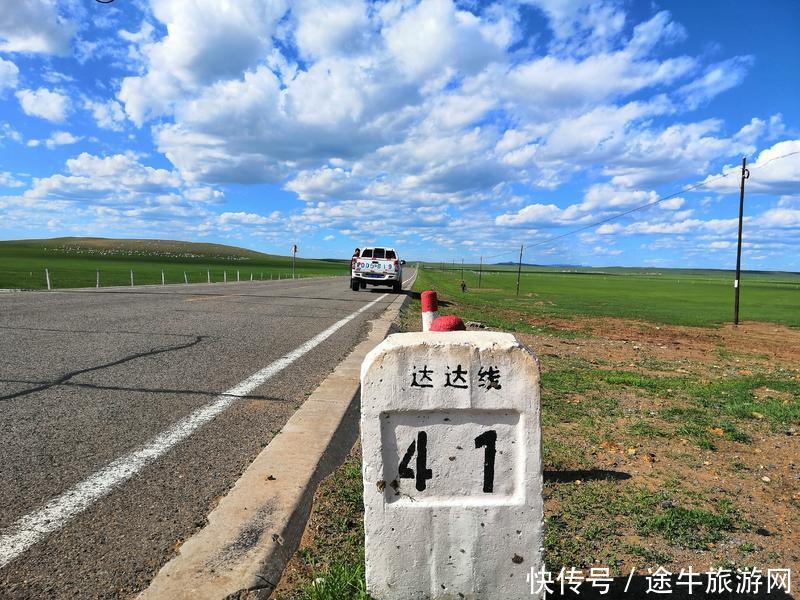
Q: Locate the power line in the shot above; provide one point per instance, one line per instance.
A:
(500, 254)
(644, 206)
(658, 201)
(618, 215)
(762, 165)
(631, 210)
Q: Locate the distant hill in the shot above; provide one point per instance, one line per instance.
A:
(74, 262)
(111, 247)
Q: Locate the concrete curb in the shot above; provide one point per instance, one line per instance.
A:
(257, 526)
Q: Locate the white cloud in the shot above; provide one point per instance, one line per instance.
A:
(107, 114)
(609, 229)
(119, 178)
(414, 100)
(757, 129)
(789, 201)
(672, 203)
(44, 103)
(587, 27)
(434, 35)
(119, 194)
(61, 138)
(717, 78)
(8, 132)
(605, 196)
(603, 250)
(34, 26)
(245, 218)
(331, 28)
(9, 181)
(653, 156)
(324, 183)
(57, 77)
(716, 226)
(780, 218)
(205, 44)
(771, 173)
(58, 138)
(8, 74)
(538, 215)
(552, 83)
(721, 245)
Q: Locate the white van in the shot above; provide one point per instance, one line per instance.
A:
(376, 266)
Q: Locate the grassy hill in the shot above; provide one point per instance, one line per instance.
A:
(74, 262)
(111, 247)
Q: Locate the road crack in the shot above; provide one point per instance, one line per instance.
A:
(66, 377)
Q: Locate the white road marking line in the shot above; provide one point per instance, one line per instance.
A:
(35, 526)
(414, 276)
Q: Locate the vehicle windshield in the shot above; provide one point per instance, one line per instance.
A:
(379, 253)
(366, 253)
(390, 254)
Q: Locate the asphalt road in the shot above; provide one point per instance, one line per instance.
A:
(90, 376)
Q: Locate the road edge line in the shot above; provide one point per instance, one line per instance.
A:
(256, 527)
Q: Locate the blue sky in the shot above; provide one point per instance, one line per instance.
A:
(449, 130)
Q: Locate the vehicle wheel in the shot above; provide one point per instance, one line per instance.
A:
(354, 285)
(397, 288)
(363, 285)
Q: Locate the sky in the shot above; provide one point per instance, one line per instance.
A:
(449, 130)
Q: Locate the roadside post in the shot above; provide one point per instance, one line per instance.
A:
(208, 275)
(237, 276)
(97, 283)
(131, 277)
(185, 278)
(294, 254)
(47, 277)
(452, 469)
(163, 281)
(430, 308)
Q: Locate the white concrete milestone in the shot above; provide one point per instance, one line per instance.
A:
(452, 466)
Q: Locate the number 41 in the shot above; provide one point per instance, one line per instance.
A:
(487, 440)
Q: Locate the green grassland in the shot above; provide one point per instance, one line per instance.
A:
(680, 297)
(73, 262)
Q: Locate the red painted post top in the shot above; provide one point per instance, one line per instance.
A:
(448, 323)
(429, 301)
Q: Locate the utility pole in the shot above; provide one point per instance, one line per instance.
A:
(736, 286)
(294, 252)
(519, 266)
(480, 272)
